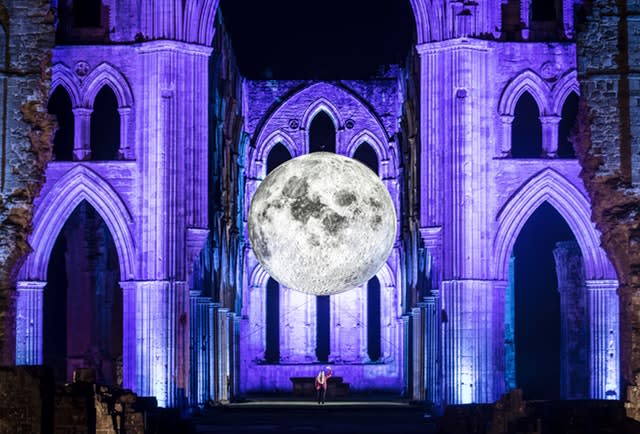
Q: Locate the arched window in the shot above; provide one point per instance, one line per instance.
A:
(367, 156)
(87, 13)
(373, 319)
(526, 132)
(272, 347)
(105, 126)
(322, 134)
(567, 124)
(60, 106)
(277, 155)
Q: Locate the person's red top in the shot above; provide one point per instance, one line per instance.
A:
(320, 384)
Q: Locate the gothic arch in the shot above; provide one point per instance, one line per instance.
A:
(62, 76)
(199, 21)
(277, 122)
(562, 90)
(422, 14)
(78, 184)
(385, 275)
(259, 277)
(548, 185)
(319, 105)
(105, 74)
(257, 158)
(528, 81)
(375, 143)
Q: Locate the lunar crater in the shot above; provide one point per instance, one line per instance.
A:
(303, 208)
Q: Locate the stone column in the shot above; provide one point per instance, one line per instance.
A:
(223, 352)
(432, 346)
(418, 356)
(524, 18)
(202, 354)
(472, 334)
(605, 341)
(505, 143)
(568, 18)
(550, 135)
(29, 322)
(149, 347)
(82, 133)
(126, 151)
(574, 335)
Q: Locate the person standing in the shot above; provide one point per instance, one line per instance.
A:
(322, 382)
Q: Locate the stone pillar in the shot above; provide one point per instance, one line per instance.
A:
(432, 346)
(510, 329)
(574, 334)
(418, 356)
(126, 151)
(82, 133)
(202, 348)
(29, 322)
(297, 326)
(407, 359)
(605, 341)
(568, 18)
(472, 352)
(524, 18)
(550, 135)
(505, 143)
(348, 335)
(129, 341)
(150, 317)
(223, 349)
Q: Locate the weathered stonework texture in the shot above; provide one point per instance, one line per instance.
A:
(26, 130)
(607, 146)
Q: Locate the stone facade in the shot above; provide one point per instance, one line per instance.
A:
(194, 140)
(25, 52)
(608, 149)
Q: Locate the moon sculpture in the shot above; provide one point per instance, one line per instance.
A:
(322, 223)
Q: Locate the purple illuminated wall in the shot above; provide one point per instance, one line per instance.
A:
(194, 139)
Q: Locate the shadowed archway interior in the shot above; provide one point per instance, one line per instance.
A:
(541, 311)
(83, 293)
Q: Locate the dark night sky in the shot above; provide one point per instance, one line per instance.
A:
(329, 39)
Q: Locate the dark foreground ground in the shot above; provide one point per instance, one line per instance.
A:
(286, 416)
(509, 416)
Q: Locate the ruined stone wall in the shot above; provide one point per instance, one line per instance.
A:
(609, 67)
(26, 40)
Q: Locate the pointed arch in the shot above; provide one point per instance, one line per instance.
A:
(265, 145)
(422, 14)
(258, 277)
(199, 21)
(563, 88)
(321, 104)
(549, 186)
(62, 76)
(105, 74)
(52, 212)
(370, 138)
(528, 81)
(257, 157)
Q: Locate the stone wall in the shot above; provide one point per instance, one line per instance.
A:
(608, 145)
(26, 39)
